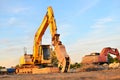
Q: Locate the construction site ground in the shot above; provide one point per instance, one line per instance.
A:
(113, 74)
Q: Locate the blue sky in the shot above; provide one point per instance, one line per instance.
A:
(85, 26)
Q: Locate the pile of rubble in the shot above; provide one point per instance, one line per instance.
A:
(97, 67)
(114, 65)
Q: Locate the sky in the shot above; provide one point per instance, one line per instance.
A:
(84, 26)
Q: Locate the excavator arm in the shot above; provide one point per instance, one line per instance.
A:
(105, 51)
(62, 56)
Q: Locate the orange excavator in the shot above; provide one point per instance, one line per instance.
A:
(101, 57)
(40, 60)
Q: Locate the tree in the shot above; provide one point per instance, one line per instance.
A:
(0, 67)
(17, 66)
(116, 60)
(111, 59)
(75, 65)
(54, 58)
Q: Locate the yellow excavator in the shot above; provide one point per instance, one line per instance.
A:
(40, 60)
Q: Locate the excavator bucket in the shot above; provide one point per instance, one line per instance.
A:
(62, 57)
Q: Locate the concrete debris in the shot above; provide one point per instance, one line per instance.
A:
(114, 65)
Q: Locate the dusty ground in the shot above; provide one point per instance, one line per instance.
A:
(93, 75)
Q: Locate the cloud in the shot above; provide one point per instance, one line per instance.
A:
(13, 49)
(12, 7)
(10, 63)
(101, 26)
(19, 9)
(105, 20)
(12, 20)
(87, 6)
(100, 23)
(9, 21)
(65, 30)
(46, 39)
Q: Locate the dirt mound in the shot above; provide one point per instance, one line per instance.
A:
(92, 67)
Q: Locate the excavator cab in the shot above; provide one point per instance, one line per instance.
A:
(44, 52)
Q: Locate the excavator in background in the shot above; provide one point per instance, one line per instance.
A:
(40, 60)
(100, 58)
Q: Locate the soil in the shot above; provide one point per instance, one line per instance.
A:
(113, 74)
